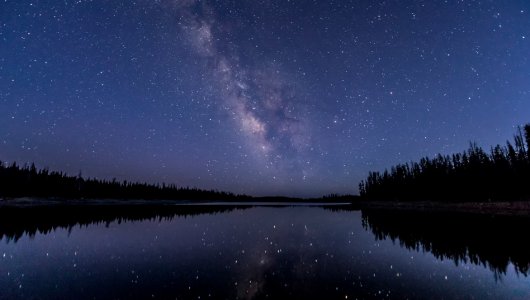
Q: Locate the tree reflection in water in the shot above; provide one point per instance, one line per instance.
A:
(16, 222)
(491, 241)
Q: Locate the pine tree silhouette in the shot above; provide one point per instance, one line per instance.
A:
(503, 174)
(28, 181)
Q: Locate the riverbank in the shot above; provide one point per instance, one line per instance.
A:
(257, 201)
(520, 208)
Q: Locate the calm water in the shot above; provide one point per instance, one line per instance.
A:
(259, 252)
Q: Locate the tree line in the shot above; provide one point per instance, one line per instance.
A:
(502, 174)
(28, 181)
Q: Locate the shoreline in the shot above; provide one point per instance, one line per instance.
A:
(34, 202)
(518, 208)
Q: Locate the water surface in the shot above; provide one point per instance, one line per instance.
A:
(214, 252)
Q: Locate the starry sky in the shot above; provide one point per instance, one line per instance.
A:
(263, 97)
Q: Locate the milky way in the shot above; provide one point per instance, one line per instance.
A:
(259, 100)
(298, 98)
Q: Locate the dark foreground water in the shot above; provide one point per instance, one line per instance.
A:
(259, 252)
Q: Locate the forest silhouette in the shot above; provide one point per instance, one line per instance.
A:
(28, 181)
(502, 174)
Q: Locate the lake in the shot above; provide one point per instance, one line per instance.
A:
(259, 252)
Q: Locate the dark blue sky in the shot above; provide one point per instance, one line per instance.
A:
(260, 97)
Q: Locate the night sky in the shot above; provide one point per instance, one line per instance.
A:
(297, 98)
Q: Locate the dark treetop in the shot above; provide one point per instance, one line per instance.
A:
(503, 174)
(28, 181)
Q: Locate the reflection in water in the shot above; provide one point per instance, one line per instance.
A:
(492, 241)
(18, 221)
(223, 252)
